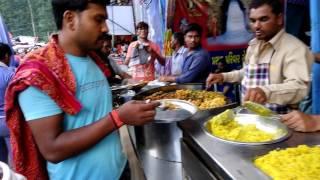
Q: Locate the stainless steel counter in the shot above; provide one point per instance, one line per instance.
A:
(157, 146)
(158, 149)
(159, 169)
(230, 161)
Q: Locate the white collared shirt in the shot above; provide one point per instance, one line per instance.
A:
(3, 64)
(177, 61)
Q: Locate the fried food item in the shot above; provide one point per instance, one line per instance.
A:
(213, 103)
(169, 106)
(202, 99)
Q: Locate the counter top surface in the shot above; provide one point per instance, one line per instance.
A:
(233, 161)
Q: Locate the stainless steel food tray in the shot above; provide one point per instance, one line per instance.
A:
(171, 88)
(267, 124)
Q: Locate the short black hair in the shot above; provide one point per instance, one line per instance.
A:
(60, 6)
(276, 5)
(142, 25)
(4, 50)
(179, 37)
(193, 27)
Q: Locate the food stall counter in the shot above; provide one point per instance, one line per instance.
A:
(206, 157)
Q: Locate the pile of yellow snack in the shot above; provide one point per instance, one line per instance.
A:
(299, 163)
(224, 126)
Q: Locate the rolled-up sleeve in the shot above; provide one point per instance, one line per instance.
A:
(233, 76)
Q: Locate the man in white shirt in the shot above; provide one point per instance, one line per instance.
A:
(174, 65)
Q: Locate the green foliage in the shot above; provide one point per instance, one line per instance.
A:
(16, 14)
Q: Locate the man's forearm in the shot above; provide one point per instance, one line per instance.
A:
(63, 145)
(317, 57)
(285, 93)
(317, 122)
(160, 59)
(125, 75)
(171, 79)
(167, 78)
(233, 76)
(126, 61)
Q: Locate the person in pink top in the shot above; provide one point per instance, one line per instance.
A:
(142, 54)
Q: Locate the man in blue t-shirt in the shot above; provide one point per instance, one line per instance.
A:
(6, 74)
(196, 64)
(85, 145)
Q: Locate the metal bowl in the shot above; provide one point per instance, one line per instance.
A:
(118, 87)
(133, 86)
(267, 124)
(183, 111)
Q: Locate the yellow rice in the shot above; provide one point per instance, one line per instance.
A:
(298, 163)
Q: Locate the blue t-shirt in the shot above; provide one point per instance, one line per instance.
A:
(105, 160)
(6, 74)
(196, 67)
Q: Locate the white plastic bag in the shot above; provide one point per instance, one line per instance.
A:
(8, 174)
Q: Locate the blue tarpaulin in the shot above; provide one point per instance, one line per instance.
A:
(315, 46)
(315, 25)
(4, 37)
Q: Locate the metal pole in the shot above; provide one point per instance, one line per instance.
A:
(32, 18)
(134, 17)
(113, 37)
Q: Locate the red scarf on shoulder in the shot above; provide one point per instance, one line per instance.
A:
(48, 70)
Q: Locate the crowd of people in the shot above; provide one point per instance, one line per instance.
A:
(57, 105)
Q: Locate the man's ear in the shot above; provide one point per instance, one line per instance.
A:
(7, 59)
(280, 19)
(69, 19)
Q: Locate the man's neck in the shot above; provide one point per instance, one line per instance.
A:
(267, 40)
(143, 39)
(192, 49)
(68, 45)
(177, 48)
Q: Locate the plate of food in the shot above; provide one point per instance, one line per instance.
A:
(247, 129)
(173, 110)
